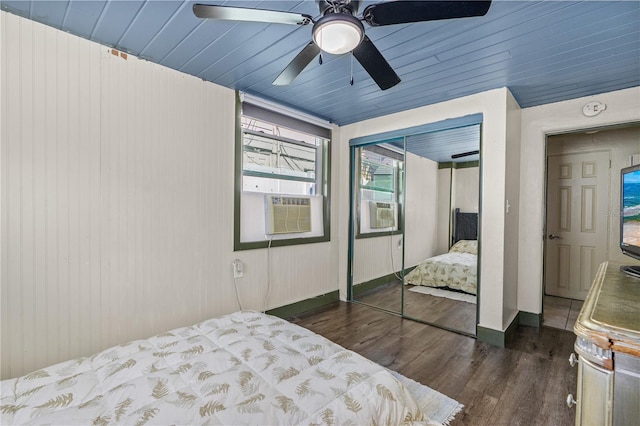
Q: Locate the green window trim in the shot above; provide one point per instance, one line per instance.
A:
(324, 150)
(379, 234)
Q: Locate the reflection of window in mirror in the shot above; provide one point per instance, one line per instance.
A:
(379, 169)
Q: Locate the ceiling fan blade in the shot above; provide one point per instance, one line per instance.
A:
(246, 14)
(375, 64)
(403, 12)
(298, 64)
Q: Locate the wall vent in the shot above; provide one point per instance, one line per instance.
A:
(287, 214)
(382, 215)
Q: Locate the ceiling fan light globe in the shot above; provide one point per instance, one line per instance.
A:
(337, 34)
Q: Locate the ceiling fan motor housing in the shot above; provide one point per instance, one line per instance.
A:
(338, 6)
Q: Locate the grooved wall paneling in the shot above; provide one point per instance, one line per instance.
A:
(117, 203)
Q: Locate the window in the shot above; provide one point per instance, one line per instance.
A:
(275, 163)
(380, 170)
(278, 153)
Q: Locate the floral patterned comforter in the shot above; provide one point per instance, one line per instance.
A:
(455, 270)
(242, 368)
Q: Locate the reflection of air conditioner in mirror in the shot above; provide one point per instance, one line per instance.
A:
(287, 214)
(382, 215)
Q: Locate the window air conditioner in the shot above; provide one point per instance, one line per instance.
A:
(382, 215)
(287, 214)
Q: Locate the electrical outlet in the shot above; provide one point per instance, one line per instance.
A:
(238, 269)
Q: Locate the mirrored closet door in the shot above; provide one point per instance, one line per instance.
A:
(441, 228)
(414, 226)
(377, 200)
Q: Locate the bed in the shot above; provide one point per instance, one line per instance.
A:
(242, 368)
(457, 269)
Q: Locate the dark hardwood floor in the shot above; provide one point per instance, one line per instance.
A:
(524, 384)
(448, 313)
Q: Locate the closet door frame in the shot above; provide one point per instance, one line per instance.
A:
(394, 135)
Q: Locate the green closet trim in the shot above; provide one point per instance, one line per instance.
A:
(297, 308)
(449, 123)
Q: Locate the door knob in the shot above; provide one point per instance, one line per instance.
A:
(553, 237)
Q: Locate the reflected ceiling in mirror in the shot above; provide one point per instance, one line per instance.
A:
(442, 145)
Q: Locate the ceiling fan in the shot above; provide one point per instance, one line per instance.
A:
(340, 31)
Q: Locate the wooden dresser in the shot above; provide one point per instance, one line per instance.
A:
(608, 351)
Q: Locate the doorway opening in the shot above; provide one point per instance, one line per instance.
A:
(582, 218)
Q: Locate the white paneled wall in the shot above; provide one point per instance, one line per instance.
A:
(117, 203)
(422, 202)
(466, 189)
(445, 179)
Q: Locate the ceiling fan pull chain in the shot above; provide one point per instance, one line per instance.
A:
(320, 60)
(351, 80)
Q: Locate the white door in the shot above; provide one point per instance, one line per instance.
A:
(577, 236)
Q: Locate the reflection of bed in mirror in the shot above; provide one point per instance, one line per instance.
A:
(457, 269)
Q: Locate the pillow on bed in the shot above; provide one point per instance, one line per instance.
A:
(465, 246)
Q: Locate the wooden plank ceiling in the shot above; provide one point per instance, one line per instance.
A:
(542, 51)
